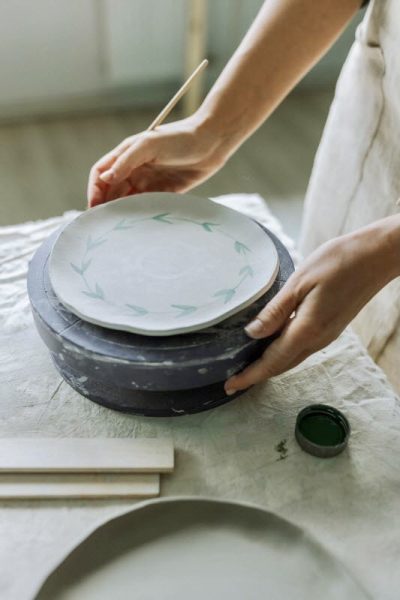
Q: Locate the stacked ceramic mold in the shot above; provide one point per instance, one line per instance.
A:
(142, 301)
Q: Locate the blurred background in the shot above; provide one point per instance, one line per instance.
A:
(80, 75)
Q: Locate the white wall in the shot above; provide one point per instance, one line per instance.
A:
(70, 53)
(145, 40)
(47, 48)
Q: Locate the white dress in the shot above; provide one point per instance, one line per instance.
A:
(356, 174)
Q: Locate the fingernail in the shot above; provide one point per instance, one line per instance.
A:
(230, 392)
(107, 176)
(255, 328)
(230, 387)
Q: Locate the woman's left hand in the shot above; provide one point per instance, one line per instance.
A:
(320, 299)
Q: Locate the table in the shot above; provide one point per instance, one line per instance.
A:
(244, 450)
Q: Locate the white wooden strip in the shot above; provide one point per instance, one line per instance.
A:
(57, 455)
(79, 485)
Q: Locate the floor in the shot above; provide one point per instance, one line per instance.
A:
(44, 163)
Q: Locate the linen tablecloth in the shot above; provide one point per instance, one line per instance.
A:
(244, 450)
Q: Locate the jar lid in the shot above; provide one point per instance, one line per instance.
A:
(322, 430)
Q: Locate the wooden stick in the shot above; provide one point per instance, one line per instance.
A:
(195, 49)
(172, 103)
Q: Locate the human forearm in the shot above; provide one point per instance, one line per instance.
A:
(286, 39)
(393, 244)
(381, 240)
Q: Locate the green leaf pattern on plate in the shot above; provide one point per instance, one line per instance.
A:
(76, 269)
(162, 218)
(180, 310)
(226, 294)
(185, 309)
(138, 310)
(121, 225)
(241, 248)
(209, 226)
(93, 243)
(246, 270)
(85, 264)
(97, 293)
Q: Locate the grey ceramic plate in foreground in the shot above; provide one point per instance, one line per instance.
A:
(188, 548)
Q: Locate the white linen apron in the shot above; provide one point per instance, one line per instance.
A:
(356, 174)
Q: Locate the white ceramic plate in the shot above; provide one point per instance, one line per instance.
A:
(197, 549)
(161, 264)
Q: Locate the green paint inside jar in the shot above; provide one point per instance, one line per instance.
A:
(322, 430)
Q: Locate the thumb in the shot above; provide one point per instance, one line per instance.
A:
(135, 156)
(274, 316)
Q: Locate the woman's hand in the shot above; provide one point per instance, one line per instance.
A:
(321, 298)
(173, 158)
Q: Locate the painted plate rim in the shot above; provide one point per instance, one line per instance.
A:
(155, 332)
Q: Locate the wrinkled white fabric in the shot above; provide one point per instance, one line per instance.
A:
(356, 175)
(349, 503)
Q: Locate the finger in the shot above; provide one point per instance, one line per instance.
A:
(277, 358)
(133, 157)
(97, 188)
(96, 193)
(275, 314)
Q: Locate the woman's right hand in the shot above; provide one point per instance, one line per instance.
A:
(173, 158)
